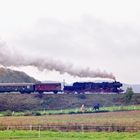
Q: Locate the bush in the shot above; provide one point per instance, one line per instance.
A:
(81, 96)
(8, 113)
(72, 112)
(36, 113)
(28, 113)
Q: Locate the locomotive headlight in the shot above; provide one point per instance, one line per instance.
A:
(28, 87)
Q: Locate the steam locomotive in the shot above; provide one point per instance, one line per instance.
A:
(77, 87)
(104, 87)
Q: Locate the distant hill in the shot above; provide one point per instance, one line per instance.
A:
(12, 76)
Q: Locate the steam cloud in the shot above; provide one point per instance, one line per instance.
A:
(11, 57)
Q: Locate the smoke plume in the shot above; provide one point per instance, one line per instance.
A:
(12, 57)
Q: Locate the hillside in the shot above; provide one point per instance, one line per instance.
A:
(12, 76)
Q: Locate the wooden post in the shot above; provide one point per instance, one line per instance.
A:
(39, 131)
(30, 127)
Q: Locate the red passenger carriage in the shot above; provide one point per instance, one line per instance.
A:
(48, 87)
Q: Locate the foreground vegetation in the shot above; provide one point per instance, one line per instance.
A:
(44, 135)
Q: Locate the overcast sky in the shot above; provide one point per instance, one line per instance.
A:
(99, 34)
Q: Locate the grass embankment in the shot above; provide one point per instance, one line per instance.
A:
(70, 111)
(22, 102)
(43, 135)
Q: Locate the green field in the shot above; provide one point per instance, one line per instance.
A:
(20, 127)
(48, 135)
(124, 119)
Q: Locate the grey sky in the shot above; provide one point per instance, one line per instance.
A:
(99, 34)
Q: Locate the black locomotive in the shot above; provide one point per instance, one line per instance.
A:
(104, 87)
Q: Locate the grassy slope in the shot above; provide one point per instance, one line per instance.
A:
(73, 101)
(18, 102)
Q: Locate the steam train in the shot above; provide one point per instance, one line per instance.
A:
(77, 87)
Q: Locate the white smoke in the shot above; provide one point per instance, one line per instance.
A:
(12, 57)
